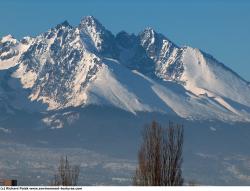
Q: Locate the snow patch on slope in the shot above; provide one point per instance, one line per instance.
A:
(11, 51)
(202, 74)
(111, 91)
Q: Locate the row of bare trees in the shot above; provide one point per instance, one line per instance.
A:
(160, 156)
(159, 159)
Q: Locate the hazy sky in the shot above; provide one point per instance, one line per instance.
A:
(218, 27)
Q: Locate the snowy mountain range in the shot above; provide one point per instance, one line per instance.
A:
(72, 67)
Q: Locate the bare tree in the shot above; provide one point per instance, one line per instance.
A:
(66, 175)
(172, 156)
(160, 156)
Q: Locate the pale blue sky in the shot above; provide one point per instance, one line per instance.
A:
(218, 27)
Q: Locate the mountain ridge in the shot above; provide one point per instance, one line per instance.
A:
(78, 66)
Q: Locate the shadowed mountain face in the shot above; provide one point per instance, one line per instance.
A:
(85, 90)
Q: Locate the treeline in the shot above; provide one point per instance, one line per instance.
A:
(159, 159)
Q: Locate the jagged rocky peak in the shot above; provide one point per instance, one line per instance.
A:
(146, 35)
(91, 26)
(149, 36)
(8, 39)
(90, 21)
(63, 24)
(58, 30)
(93, 32)
(11, 50)
(160, 50)
(26, 40)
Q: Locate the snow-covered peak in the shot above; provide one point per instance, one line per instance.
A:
(90, 21)
(155, 44)
(91, 26)
(146, 35)
(27, 40)
(156, 55)
(149, 37)
(8, 38)
(148, 30)
(11, 50)
(96, 37)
